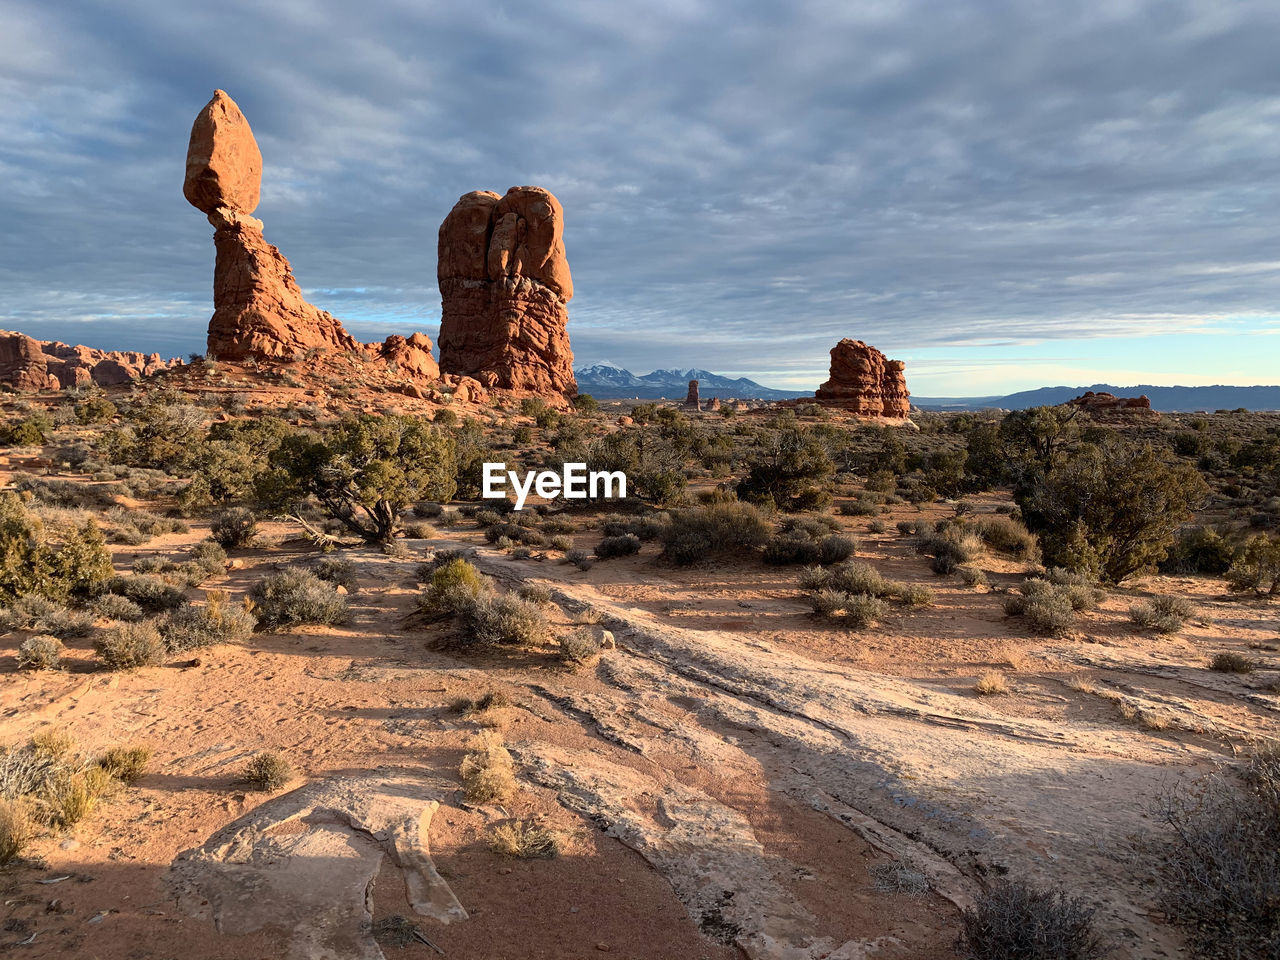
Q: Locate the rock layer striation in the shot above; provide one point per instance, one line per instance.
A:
(505, 287)
(865, 382)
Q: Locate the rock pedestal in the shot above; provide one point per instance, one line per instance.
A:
(865, 382)
(691, 401)
(505, 287)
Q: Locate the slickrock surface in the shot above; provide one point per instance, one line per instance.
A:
(28, 365)
(1109, 405)
(505, 287)
(306, 861)
(865, 382)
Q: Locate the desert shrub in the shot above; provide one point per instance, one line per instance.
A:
(208, 558)
(56, 565)
(854, 611)
(40, 653)
(1083, 593)
(1046, 607)
(789, 473)
(128, 646)
(16, 829)
(112, 606)
(96, 409)
(366, 471)
(1008, 536)
(267, 771)
(1221, 866)
(32, 431)
(647, 527)
(514, 533)
(972, 576)
(859, 508)
(126, 764)
(218, 621)
(991, 683)
(536, 593)
(1199, 549)
(72, 794)
(699, 532)
(1111, 509)
(1161, 614)
(234, 527)
(150, 592)
(505, 618)
(455, 586)
(134, 527)
(293, 597)
(580, 646)
(1014, 921)
(797, 547)
(43, 615)
(912, 594)
(1257, 568)
(950, 547)
(1232, 663)
(336, 570)
(488, 775)
(620, 546)
(524, 840)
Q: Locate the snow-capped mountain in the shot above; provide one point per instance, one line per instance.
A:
(604, 381)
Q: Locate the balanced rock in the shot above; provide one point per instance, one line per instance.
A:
(1108, 405)
(28, 365)
(865, 382)
(259, 311)
(505, 287)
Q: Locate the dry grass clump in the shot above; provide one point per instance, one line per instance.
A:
(1232, 663)
(16, 829)
(73, 795)
(524, 840)
(1161, 614)
(40, 653)
(218, 621)
(488, 775)
(294, 597)
(489, 710)
(991, 683)
(267, 771)
(899, 876)
(128, 646)
(950, 546)
(972, 576)
(1015, 921)
(126, 764)
(1008, 536)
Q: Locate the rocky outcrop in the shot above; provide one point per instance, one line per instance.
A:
(865, 382)
(505, 287)
(28, 365)
(411, 357)
(259, 311)
(1108, 405)
(691, 401)
(713, 405)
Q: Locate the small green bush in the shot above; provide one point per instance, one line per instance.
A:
(1161, 614)
(619, 546)
(40, 653)
(218, 621)
(455, 586)
(234, 527)
(112, 606)
(126, 764)
(697, 533)
(1232, 663)
(268, 772)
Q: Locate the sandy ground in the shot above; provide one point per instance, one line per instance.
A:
(377, 693)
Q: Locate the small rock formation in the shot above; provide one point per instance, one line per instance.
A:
(1108, 405)
(28, 365)
(411, 357)
(306, 862)
(713, 405)
(259, 311)
(505, 288)
(865, 382)
(691, 401)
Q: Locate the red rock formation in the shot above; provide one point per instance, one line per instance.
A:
(505, 287)
(259, 311)
(1109, 405)
(28, 365)
(713, 405)
(865, 382)
(411, 357)
(691, 401)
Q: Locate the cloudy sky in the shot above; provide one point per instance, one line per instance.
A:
(1004, 194)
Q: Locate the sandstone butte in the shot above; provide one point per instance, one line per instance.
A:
(692, 402)
(29, 365)
(1109, 405)
(865, 382)
(505, 287)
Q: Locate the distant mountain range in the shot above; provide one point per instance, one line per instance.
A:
(604, 381)
(607, 382)
(1168, 399)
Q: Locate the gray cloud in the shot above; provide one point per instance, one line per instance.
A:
(743, 182)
